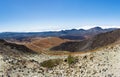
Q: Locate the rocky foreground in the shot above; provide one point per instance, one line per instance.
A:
(105, 62)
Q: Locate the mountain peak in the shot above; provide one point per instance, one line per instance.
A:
(96, 28)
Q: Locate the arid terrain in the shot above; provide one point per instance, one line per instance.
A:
(33, 57)
(59, 38)
(104, 62)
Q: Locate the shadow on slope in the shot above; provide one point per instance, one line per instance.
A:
(97, 41)
(21, 48)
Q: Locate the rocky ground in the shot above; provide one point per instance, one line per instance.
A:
(105, 62)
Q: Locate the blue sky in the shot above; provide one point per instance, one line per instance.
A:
(45, 15)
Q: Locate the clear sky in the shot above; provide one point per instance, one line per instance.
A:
(45, 15)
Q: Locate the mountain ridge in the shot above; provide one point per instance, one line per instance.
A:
(97, 41)
(73, 34)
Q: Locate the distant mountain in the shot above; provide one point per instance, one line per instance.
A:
(73, 34)
(97, 41)
(82, 34)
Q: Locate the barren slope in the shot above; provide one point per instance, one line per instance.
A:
(105, 62)
(42, 44)
(99, 40)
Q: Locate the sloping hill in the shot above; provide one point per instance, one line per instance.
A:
(99, 40)
(42, 44)
(14, 47)
(106, 38)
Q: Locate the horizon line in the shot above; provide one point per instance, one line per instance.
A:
(56, 30)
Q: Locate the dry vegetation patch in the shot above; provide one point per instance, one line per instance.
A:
(51, 63)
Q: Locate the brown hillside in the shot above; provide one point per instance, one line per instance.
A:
(41, 44)
(14, 47)
(95, 42)
(105, 38)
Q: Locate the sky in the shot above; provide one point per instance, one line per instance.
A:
(54, 15)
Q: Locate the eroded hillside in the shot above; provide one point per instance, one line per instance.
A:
(97, 41)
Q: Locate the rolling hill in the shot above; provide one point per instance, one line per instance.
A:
(43, 44)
